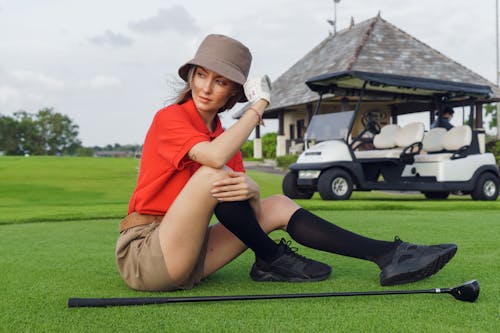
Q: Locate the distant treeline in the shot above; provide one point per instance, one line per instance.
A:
(115, 150)
(49, 133)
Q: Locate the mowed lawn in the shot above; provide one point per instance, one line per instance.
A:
(59, 222)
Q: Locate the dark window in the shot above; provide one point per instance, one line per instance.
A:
(300, 129)
(292, 132)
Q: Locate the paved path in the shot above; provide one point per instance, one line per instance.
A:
(263, 167)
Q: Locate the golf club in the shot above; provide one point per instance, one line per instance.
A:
(467, 292)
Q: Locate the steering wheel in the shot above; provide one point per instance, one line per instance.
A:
(369, 124)
(372, 127)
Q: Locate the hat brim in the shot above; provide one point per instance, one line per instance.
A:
(220, 68)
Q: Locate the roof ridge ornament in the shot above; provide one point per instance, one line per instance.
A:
(361, 44)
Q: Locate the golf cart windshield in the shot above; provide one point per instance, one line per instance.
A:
(329, 126)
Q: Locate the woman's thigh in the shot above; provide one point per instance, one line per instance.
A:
(185, 225)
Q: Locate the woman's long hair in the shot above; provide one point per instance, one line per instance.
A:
(185, 93)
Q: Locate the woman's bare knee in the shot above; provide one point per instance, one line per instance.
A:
(277, 211)
(281, 202)
(210, 174)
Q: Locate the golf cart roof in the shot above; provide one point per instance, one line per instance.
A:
(395, 84)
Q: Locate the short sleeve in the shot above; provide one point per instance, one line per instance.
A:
(176, 135)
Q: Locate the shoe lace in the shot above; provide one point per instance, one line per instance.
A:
(292, 250)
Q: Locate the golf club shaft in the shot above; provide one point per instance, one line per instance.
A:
(104, 302)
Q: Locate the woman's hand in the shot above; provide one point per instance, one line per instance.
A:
(236, 187)
(258, 88)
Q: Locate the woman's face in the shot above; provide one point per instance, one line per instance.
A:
(210, 90)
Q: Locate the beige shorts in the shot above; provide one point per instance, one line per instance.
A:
(140, 260)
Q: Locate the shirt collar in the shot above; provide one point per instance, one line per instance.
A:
(198, 121)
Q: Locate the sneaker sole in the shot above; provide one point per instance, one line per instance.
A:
(260, 276)
(429, 269)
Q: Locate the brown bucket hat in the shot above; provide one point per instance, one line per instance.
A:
(223, 55)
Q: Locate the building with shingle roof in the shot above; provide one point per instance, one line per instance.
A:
(374, 45)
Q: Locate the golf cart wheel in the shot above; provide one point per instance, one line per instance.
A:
(486, 187)
(291, 190)
(436, 195)
(335, 184)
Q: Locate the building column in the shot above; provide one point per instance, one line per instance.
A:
(344, 104)
(479, 115)
(394, 113)
(257, 144)
(309, 111)
(281, 140)
(481, 134)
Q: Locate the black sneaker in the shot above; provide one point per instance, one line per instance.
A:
(411, 263)
(289, 267)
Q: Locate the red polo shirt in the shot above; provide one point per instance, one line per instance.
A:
(165, 166)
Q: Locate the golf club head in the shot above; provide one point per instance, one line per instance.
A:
(467, 291)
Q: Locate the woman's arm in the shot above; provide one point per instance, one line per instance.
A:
(238, 186)
(218, 152)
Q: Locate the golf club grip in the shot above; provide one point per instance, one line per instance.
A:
(104, 302)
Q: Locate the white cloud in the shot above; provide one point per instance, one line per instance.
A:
(175, 18)
(110, 38)
(103, 81)
(8, 94)
(40, 79)
(35, 97)
(29, 90)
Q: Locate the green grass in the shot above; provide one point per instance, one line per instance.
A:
(60, 189)
(44, 263)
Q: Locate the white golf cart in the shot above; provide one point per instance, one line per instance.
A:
(379, 146)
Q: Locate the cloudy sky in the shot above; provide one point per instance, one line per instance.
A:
(111, 64)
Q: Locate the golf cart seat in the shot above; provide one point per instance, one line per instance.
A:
(452, 142)
(394, 141)
(433, 140)
(387, 137)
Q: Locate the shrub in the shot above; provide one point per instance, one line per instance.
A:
(494, 148)
(286, 160)
(247, 149)
(84, 151)
(269, 145)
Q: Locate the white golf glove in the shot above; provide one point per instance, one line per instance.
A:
(258, 88)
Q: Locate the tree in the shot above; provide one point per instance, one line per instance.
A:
(46, 132)
(57, 132)
(491, 109)
(27, 134)
(8, 140)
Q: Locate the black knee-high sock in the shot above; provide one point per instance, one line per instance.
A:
(312, 231)
(239, 218)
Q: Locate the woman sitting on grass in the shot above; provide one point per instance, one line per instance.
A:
(191, 168)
